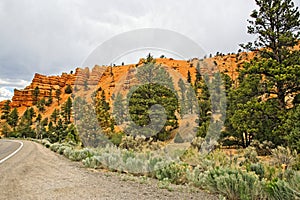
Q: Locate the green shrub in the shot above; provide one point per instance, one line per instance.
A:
(196, 177)
(233, 184)
(284, 156)
(92, 162)
(197, 142)
(79, 155)
(47, 145)
(140, 143)
(116, 138)
(279, 190)
(250, 156)
(174, 172)
(61, 149)
(54, 147)
(294, 181)
(258, 169)
(264, 148)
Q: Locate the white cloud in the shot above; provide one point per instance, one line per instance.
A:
(49, 37)
(14, 83)
(5, 94)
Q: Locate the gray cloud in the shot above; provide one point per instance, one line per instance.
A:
(50, 37)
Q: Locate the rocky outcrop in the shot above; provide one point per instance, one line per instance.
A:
(45, 84)
(120, 77)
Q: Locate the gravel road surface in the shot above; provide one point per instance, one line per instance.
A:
(35, 172)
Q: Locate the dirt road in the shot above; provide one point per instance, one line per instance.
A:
(37, 173)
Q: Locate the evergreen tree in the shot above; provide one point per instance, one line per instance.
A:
(204, 104)
(68, 89)
(118, 109)
(13, 118)
(6, 130)
(183, 99)
(35, 94)
(67, 108)
(24, 127)
(57, 95)
(50, 99)
(190, 100)
(41, 105)
(6, 110)
(198, 74)
(38, 118)
(87, 123)
(291, 128)
(55, 115)
(103, 115)
(277, 25)
(158, 89)
(189, 78)
(85, 84)
(149, 59)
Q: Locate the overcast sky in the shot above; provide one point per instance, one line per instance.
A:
(50, 37)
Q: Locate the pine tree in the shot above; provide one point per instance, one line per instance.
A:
(35, 94)
(57, 95)
(55, 115)
(68, 110)
(277, 26)
(183, 98)
(13, 118)
(49, 101)
(189, 78)
(41, 105)
(103, 115)
(118, 109)
(6, 110)
(157, 88)
(198, 73)
(68, 89)
(38, 118)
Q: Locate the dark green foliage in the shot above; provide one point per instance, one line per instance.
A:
(103, 115)
(57, 95)
(6, 130)
(277, 25)
(279, 189)
(50, 99)
(67, 110)
(291, 128)
(13, 118)
(38, 118)
(119, 109)
(54, 116)
(252, 114)
(24, 127)
(149, 59)
(6, 110)
(35, 95)
(86, 120)
(198, 74)
(156, 89)
(258, 169)
(233, 184)
(183, 99)
(189, 78)
(41, 105)
(174, 172)
(85, 85)
(116, 138)
(68, 89)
